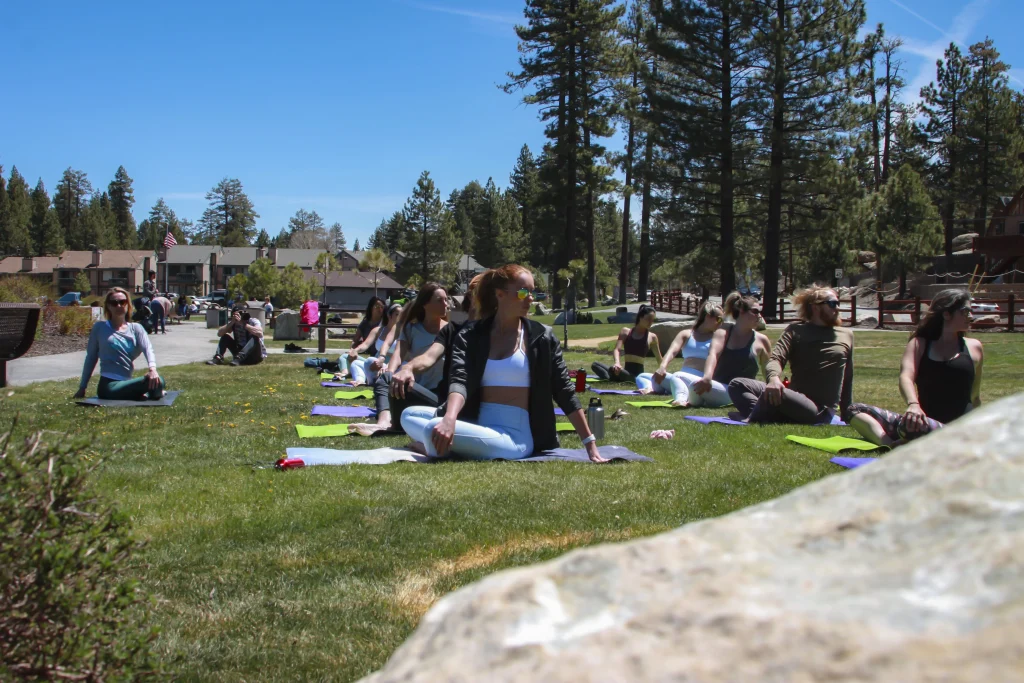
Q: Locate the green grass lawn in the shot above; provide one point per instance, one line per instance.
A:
(321, 573)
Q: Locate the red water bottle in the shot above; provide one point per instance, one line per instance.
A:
(581, 381)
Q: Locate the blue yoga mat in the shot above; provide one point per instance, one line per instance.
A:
(344, 411)
(705, 419)
(382, 456)
(164, 402)
(851, 463)
(616, 392)
(336, 384)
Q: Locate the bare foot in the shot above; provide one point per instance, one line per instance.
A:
(365, 429)
(416, 447)
(684, 404)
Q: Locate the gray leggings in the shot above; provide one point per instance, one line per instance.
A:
(748, 395)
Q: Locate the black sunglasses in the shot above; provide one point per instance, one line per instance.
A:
(831, 303)
(118, 302)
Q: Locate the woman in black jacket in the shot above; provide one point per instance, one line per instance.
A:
(505, 370)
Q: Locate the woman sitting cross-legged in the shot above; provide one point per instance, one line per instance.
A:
(382, 340)
(116, 343)
(505, 371)
(737, 350)
(940, 376)
(634, 343)
(373, 318)
(418, 328)
(695, 344)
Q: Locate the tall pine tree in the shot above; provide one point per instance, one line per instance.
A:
(45, 227)
(230, 219)
(17, 239)
(70, 201)
(122, 199)
(430, 242)
(5, 213)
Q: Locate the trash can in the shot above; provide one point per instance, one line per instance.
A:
(216, 317)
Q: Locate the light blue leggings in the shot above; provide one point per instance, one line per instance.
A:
(359, 369)
(716, 397)
(671, 385)
(500, 433)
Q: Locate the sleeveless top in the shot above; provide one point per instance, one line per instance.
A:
(733, 363)
(635, 347)
(944, 387)
(695, 349)
(513, 371)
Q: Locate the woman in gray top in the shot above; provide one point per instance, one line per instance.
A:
(116, 343)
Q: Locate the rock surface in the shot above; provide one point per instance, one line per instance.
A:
(286, 326)
(907, 569)
(666, 331)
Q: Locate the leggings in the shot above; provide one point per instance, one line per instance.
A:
(500, 433)
(749, 397)
(892, 423)
(716, 397)
(672, 384)
(135, 389)
(605, 372)
(357, 369)
(417, 395)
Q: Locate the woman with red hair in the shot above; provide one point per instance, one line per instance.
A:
(505, 370)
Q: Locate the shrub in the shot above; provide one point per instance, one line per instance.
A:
(18, 289)
(65, 320)
(67, 610)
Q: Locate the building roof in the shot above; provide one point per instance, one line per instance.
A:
(192, 253)
(43, 265)
(303, 258)
(347, 279)
(467, 262)
(109, 258)
(236, 256)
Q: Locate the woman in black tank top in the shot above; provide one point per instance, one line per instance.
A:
(940, 376)
(634, 344)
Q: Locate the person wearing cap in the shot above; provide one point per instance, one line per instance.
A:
(243, 337)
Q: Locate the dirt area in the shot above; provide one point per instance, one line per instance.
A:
(55, 343)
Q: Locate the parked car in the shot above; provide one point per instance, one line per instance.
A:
(70, 299)
(984, 309)
(219, 296)
(540, 296)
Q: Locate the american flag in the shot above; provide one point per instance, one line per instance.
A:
(169, 241)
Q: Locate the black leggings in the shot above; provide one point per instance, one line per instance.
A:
(748, 395)
(624, 375)
(415, 396)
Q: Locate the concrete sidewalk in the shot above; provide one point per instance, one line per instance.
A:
(185, 343)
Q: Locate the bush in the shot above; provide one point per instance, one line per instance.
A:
(67, 610)
(65, 320)
(18, 289)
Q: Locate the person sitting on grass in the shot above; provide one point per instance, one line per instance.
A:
(382, 340)
(243, 337)
(116, 343)
(634, 344)
(940, 376)
(820, 355)
(505, 371)
(371, 320)
(394, 392)
(695, 344)
(737, 350)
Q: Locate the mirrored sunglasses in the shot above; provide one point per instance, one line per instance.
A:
(523, 292)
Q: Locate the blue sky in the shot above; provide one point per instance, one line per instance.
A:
(329, 106)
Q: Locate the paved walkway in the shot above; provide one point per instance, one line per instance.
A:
(185, 343)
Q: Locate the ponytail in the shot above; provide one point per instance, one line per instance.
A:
(490, 282)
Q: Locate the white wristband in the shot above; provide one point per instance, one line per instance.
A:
(589, 439)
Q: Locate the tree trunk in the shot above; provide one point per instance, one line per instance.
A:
(571, 151)
(775, 172)
(626, 195)
(645, 208)
(726, 256)
(888, 116)
(875, 134)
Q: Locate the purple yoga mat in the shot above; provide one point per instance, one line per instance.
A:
(612, 453)
(336, 384)
(705, 419)
(851, 463)
(559, 411)
(617, 392)
(343, 411)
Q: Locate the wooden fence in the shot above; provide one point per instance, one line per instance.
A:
(1005, 317)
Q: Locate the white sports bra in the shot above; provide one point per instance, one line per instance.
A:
(513, 371)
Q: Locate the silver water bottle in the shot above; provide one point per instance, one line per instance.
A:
(595, 417)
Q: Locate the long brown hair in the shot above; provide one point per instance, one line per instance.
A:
(490, 282)
(736, 304)
(106, 303)
(806, 298)
(946, 301)
(414, 313)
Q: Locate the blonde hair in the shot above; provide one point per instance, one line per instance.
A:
(128, 307)
(736, 304)
(707, 309)
(490, 282)
(805, 299)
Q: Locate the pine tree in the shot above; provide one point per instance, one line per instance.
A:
(45, 227)
(447, 250)
(355, 245)
(18, 239)
(943, 104)
(510, 238)
(524, 186)
(263, 239)
(337, 238)
(5, 214)
(705, 105)
(425, 220)
(808, 46)
(99, 223)
(307, 230)
(122, 199)
(70, 201)
(153, 230)
(230, 219)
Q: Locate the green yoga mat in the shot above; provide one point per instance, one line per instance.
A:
(835, 444)
(564, 427)
(652, 404)
(326, 375)
(354, 393)
(318, 431)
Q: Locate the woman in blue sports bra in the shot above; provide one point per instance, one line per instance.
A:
(695, 343)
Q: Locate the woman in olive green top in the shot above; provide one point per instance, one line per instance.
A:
(820, 357)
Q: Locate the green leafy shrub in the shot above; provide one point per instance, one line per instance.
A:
(65, 320)
(18, 289)
(67, 610)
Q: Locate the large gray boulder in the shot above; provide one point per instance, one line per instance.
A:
(910, 568)
(286, 326)
(666, 330)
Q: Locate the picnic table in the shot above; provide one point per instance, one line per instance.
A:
(18, 324)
